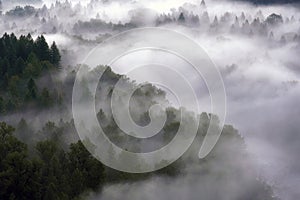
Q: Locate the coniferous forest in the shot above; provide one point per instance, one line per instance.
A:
(46, 164)
(22, 61)
(254, 47)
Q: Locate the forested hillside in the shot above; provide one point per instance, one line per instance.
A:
(22, 61)
(48, 161)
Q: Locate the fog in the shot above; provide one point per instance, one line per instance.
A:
(258, 61)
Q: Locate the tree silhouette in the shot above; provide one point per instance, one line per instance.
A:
(54, 54)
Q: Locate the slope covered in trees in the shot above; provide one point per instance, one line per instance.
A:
(46, 170)
(22, 61)
(50, 173)
(45, 163)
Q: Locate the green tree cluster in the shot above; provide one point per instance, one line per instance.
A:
(51, 173)
(22, 61)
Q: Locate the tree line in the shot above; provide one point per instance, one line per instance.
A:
(50, 173)
(47, 164)
(48, 169)
(22, 61)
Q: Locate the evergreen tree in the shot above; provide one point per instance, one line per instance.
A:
(14, 165)
(13, 86)
(85, 168)
(54, 54)
(42, 48)
(20, 65)
(31, 90)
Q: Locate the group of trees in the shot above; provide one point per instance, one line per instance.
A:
(50, 173)
(99, 26)
(21, 12)
(22, 61)
(46, 20)
(45, 163)
(51, 169)
(48, 169)
(228, 22)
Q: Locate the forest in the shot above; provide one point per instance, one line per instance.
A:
(22, 60)
(46, 164)
(254, 46)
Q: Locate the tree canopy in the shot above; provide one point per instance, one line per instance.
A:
(23, 61)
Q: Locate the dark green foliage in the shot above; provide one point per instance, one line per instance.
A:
(2, 105)
(58, 168)
(54, 54)
(13, 165)
(52, 174)
(85, 168)
(31, 90)
(41, 48)
(20, 65)
(22, 62)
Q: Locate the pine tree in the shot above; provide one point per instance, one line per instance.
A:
(20, 66)
(42, 48)
(54, 54)
(31, 90)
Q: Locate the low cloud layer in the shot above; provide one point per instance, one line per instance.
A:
(259, 65)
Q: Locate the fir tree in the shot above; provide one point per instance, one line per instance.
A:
(54, 54)
(31, 90)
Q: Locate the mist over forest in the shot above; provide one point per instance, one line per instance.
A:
(254, 44)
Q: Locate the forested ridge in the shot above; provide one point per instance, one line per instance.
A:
(49, 162)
